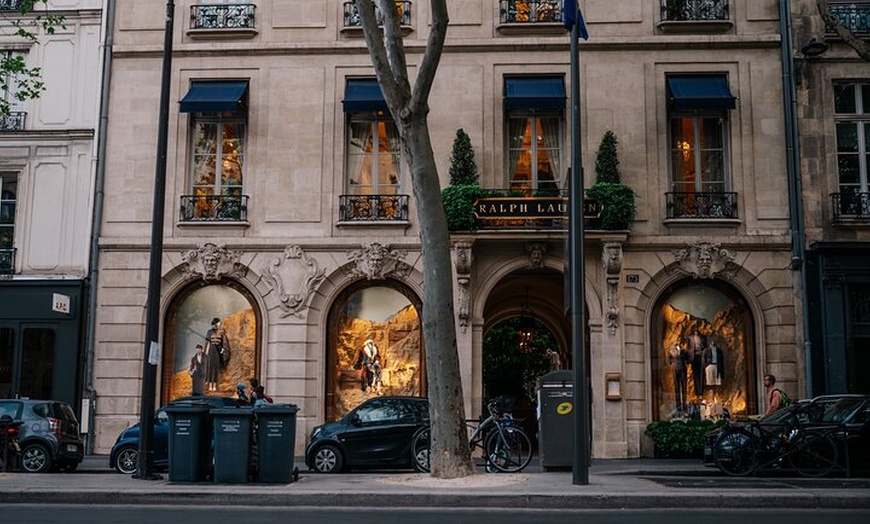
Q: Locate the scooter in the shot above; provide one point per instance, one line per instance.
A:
(10, 451)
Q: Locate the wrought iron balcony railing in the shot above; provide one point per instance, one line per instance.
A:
(530, 11)
(851, 206)
(225, 16)
(211, 208)
(10, 5)
(854, 15)
(694, 10)
(352, 18)
(372, 208)
(702, 206)
(14, 121)
(7, 261)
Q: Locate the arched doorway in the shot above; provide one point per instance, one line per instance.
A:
(386, 313)
(189, 323)
(703, 354)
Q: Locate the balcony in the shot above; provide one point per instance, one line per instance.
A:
(694, 16)
(211, 208)
(530, 16)
(373, 208)
(854, 15)
(851, 207)
(7, 262)
(10, 5)
(353, 21)
(14, 121)
(701, 206)
(222, 21)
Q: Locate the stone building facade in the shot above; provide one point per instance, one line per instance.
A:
(290, 215)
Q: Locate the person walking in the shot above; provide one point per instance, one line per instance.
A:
(774, 395)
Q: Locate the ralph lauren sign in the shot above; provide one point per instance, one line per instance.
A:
(530, 207)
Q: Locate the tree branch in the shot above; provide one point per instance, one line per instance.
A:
(842, 31)
(432, 55)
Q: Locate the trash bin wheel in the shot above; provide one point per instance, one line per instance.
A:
(328, 459)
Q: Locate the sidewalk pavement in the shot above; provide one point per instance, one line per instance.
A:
(613, 484)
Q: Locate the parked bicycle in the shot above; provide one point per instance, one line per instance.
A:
(808, 449)
(505, 446)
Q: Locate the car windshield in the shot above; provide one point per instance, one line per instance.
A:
(841, 410)
(387, 410)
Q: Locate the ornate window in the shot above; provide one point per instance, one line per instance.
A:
(703, 358)
(535, 124)
(852, 121)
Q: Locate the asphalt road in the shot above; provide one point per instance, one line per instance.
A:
(67, 514)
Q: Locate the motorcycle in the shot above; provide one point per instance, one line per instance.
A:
(10, 451)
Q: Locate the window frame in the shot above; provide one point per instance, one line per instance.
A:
(701, 185)
(533, 117)
(372, 119)
(4, 176)
(860, 119)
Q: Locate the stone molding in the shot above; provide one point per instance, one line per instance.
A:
(211, 262)
(377, 262)
(462, 259)
(706, 260)
(293, 270)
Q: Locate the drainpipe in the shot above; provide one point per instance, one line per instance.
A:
(96, 226)
(795, 189)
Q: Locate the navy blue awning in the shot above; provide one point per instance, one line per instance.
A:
(700, 93)
(363, 95)
(214, 97)
(545, 93)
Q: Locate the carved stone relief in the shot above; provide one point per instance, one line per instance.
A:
(293, 270)
(463, 279)
(211, 262)
(377, 262)
(536, 251)
(706, 260)
(612, 254)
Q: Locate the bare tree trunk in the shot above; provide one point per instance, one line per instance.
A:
(449, 455)
(861, 47)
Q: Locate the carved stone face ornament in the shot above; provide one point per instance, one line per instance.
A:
(211, 262)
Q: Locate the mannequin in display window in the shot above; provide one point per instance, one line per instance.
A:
(714, 365)
(697, 345)
(679, 359)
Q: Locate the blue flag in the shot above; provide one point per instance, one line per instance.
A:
(571, 15)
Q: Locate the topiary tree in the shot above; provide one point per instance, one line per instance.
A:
(606, 160)
(463, 169)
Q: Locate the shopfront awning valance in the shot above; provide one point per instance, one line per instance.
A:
(700, 93)
(539, 93)
(214, 97)
(363, 96)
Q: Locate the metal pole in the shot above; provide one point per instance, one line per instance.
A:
(577, 266)
(145, 469)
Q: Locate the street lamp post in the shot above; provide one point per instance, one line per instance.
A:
(145, 466)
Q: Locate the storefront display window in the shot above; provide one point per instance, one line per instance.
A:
(212, 345)
(703, 363)
(377, 348)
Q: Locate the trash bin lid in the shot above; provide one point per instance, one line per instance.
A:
(278, 409)
(236, 412)
(193, 407)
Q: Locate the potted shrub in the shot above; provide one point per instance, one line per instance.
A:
(617, 200)
(458, 198)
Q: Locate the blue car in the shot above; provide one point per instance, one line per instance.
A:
(124, 457)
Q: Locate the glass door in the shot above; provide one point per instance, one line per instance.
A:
(27, 361)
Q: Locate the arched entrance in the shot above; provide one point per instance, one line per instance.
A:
(386, 313)
(189, 322)
(703, 354)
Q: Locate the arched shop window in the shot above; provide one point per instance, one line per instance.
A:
(703, 359)
(191, 322)
(392, 363)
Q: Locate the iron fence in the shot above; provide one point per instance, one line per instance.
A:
(214, 208)
(353, 19)
(712, 205)
(369, 208)
(694, 10)
(227, 16)
(530, 11)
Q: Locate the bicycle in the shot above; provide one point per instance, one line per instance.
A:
(810, 450)
(506, 447)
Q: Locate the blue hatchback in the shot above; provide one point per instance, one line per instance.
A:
(124, 457)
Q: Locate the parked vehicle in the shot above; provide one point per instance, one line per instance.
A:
(829, 434)
(376, 434)
(124, 457)
(48, 434)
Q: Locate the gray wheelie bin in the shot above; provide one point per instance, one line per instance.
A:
(276, 442)
(556, 420)
(232, 444)
(189, 442)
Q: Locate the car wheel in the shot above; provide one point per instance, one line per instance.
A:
(328, 459)
(35, 459)
(420, 451)
(127, 460)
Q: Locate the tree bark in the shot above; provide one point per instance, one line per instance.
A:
(861, 47)
(449, 453)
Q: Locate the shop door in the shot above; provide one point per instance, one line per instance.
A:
(27, 354)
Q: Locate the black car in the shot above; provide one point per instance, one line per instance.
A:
(48, 436)
(845, 418)
(124, 456)
(376, 434)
